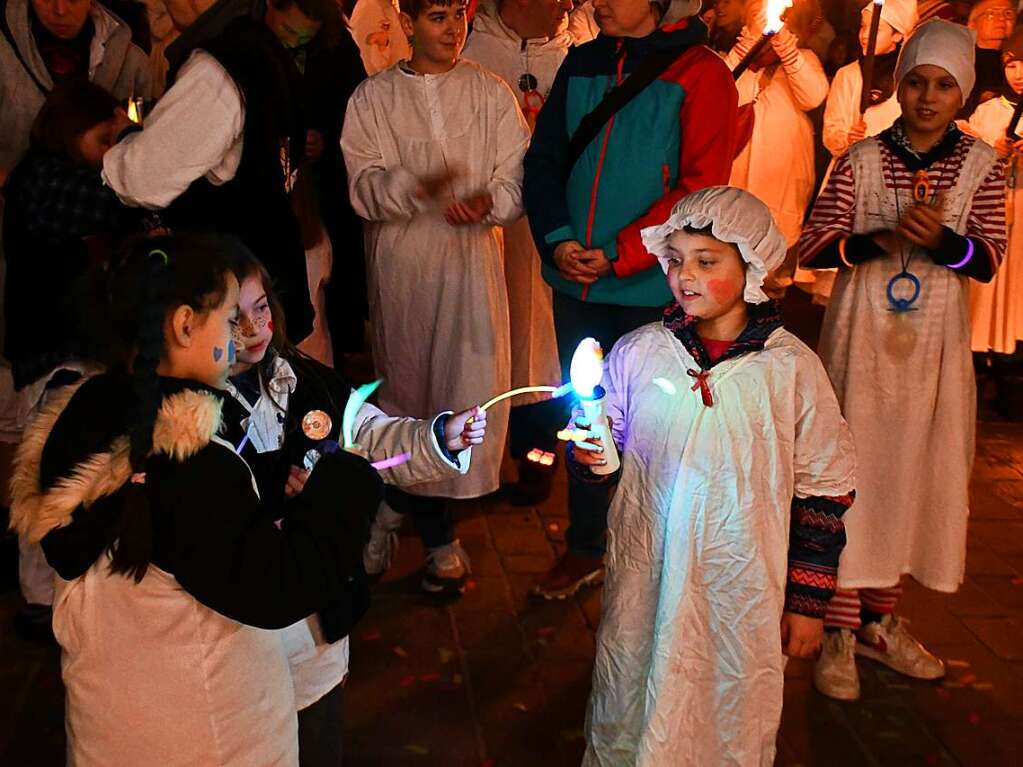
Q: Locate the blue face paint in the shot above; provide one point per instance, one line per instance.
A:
(232, 352)
(217, 353)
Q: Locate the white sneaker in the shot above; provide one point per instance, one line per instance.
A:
(446, 570)
(889, 642)
(834, 673)
(383, 540)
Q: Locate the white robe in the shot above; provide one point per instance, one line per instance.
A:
(996, 307)
(777, 164)
(907, 388)
(534, 348)
(438, 301)
(689, 665)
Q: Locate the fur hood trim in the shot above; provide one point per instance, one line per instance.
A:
(185, 424)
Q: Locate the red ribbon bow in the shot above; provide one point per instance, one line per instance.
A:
(701, 384)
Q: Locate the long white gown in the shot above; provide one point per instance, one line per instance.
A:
(438, 302)
(905, 379)
(534, 348)
(689, 665)
(996, 307)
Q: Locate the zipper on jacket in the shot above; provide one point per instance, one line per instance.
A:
(621, 53)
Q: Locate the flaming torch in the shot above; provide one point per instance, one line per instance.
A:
(586, 371)
(870, 55)
(775, 9)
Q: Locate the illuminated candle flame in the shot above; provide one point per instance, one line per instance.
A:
(133, 112)
(587, 367)
(774, 11)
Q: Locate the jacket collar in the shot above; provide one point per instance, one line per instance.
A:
(189, 417)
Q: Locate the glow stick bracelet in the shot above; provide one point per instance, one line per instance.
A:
(966, 258)
(390, 463)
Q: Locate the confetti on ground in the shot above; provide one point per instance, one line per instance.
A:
(953, 663)
(417, 748)
(520, 707)
(407, 681)
(399, 651)
(433, 677)
(445, 654)
(983, 686)
(968, 678)
(973, 718)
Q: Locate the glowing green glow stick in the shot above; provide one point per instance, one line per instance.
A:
(355, 402)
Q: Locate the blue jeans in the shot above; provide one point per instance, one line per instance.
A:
(575, 320)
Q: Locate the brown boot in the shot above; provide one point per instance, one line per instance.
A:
(569, 574)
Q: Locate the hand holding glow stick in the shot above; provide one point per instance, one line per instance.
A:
(586, 371)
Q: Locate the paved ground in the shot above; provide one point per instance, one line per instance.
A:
(498, 679)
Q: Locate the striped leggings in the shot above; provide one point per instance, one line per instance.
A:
(846, 607)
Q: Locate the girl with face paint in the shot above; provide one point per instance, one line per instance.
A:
(159, 538)
(272, 388)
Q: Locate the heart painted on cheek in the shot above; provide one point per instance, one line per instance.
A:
(722, 290)
(217, 353)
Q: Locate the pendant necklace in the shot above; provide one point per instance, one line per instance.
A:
(921, 194)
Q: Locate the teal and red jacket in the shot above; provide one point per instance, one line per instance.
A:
(675, 137)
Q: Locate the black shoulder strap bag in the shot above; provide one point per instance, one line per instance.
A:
(652, 67)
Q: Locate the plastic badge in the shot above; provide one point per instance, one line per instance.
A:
(316, 425)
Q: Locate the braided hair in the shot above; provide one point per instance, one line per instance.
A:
(152, 278)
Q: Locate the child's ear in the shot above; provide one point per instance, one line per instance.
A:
(182, 326)
(406, 24)
(898, 37)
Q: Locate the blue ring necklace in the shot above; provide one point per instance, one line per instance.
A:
(904, 303)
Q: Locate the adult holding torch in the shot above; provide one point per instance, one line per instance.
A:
(591, 185)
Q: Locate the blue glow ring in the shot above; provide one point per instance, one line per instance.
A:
(903, 304)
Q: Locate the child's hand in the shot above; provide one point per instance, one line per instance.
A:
(784, 42)
(584, 456)
(296, 482)
(465, 429)
(922, 224)
(569, 257)
(470, 211)
(431, 186)
(801, 636)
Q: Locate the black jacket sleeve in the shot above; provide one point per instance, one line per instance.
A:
(211, 533)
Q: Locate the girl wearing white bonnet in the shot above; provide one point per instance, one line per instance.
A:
(908, 217)
(731, 437)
